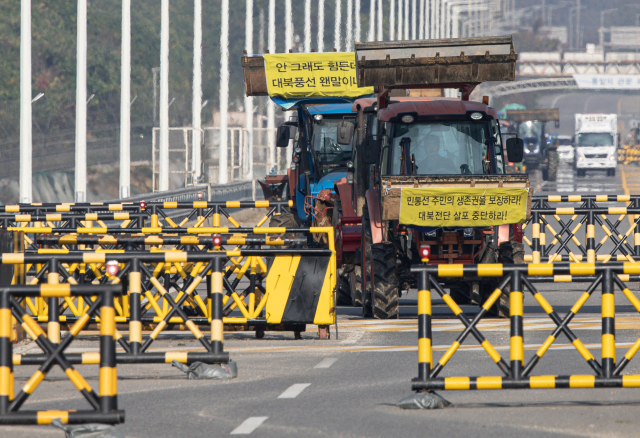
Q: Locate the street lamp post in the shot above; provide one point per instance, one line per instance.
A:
(125, 105)
(25, 103)
(81, 104)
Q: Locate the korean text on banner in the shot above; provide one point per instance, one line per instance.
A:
(305, 75)
(468, 207)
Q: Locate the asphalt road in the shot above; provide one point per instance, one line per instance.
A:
(348, 386)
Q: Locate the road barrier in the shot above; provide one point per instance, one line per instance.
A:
(143, 217)
(564, 239)
(105, 403)
(282, 288)
(516, 374)
(130, 310)
(629, 154)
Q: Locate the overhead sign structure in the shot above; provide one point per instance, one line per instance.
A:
(313, 75)
(463, 207)
(608, 82)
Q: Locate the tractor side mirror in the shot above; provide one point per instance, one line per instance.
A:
(283, 136)
(370, 150)
(515, 150)
(345, 132)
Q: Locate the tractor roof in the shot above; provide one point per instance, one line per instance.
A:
(427, 106)
(336, 108)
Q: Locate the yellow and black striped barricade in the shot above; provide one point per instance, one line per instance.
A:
(200, 211)
(136, 347)
(288, 287)
(105, 403)
(563, 241)
(60, 243)
(516, 374)
(69, 221)
(64, 207)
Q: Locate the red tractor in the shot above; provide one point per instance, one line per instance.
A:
(435, 148)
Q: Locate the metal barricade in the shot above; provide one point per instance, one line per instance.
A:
(516, 374)
(105, 402)
(568, 233)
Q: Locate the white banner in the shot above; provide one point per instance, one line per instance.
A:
(608, 82)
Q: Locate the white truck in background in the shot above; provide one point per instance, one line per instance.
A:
(595, 143)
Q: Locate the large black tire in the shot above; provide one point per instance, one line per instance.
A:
(385, 288)
(343, 292)
(287, 220)
(355, 286)
(501, 307)
(458, 295)
(343, 282)
(552, 165)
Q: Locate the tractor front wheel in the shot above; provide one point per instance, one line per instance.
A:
(383, 287)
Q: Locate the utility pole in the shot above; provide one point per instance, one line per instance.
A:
(392, 20)
(413, 20)
(578, 42)
(81, 104)
(400, 18)
(358, 17)
(163, 166)
(270, 105)
(320, 25)
(421, 21)
(125, 105)
(248, 101)
(25, 104)
(380, 33)
(336, 29)
(372, 21)
(348, 40)
(307, 26)
(224, 92)
(196, 103)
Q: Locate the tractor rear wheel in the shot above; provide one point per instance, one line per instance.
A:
(343, 293)
(383, 287)
(501, 307)
(355, 285)
(343, 282)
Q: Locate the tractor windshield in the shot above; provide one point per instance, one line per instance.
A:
(330, 154)
(439, 148)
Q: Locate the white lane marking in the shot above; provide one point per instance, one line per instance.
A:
(248, 425)
(294, 390)
(353, 338)
(326, 363)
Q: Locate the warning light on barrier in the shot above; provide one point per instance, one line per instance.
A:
(425, 251)
(112, 268)
(199, 196)
(217, 241)
(143, 205)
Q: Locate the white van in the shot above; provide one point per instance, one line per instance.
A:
(565, 148)
(595, 143)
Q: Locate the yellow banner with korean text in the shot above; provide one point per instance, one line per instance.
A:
(308, 75)
(463, 207)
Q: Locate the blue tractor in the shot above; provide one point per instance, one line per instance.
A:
(319, 162)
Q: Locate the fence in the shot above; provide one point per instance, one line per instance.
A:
(516, 374)
(264, 161)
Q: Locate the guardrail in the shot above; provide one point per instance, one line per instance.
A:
(105, 403)
(517, 373)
